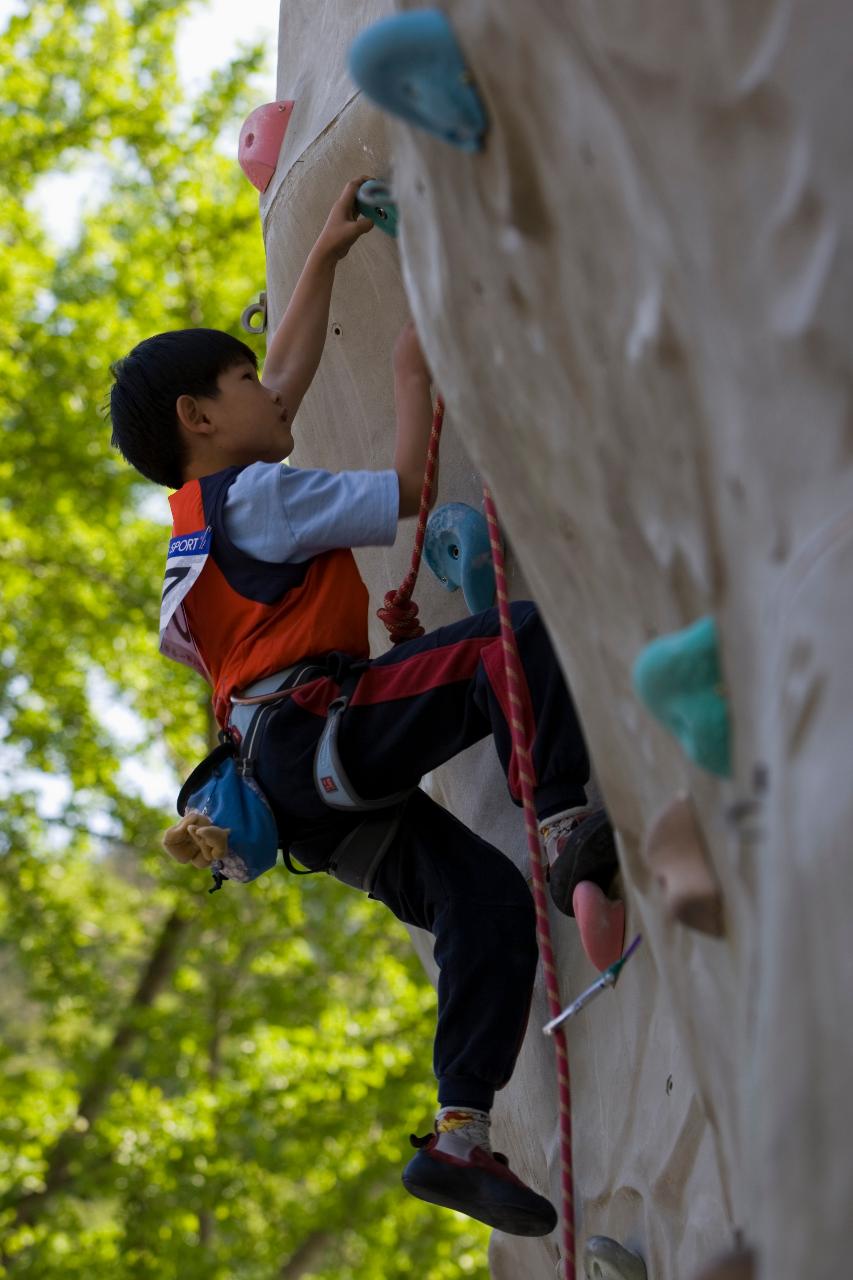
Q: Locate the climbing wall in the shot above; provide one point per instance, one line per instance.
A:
(635, 302)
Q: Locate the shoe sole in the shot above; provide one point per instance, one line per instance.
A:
(601, 924)
(514, 1220)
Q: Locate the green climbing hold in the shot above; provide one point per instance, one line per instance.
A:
(678, 677)
(374, 201)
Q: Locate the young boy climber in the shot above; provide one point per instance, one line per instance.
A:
(273, 599)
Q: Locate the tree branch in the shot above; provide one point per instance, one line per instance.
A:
(307, 1254)
(102, 1082)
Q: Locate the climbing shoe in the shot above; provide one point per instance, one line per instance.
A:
(584, 868)
(467, 1178)
(579, 846)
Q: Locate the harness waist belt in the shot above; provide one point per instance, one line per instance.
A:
(241, 717)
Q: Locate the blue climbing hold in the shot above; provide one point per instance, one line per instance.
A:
(456, 548)
(374, 201)
(679, 679)
(412, 66)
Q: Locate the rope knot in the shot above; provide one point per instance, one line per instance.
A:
(400, 616)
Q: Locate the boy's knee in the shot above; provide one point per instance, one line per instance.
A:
(523, 612)
(501, 937)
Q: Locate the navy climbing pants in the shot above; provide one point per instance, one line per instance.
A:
(411, 710)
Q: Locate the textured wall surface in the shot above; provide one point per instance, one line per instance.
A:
(635, 303)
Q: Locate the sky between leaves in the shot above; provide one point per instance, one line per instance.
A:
(206, 40)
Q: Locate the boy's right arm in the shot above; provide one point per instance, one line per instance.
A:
(414, 419)
(295, 348)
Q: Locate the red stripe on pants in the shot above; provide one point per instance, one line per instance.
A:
(495, 669)
(421, 672)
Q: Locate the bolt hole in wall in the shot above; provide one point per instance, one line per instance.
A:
(669, 1084)
(337, 330)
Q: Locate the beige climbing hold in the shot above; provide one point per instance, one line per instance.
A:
(676, 854)
(604, 1259)
(735, 1266)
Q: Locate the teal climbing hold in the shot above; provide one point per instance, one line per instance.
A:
(411, 65)
(374, 201)
(679, 679)
(456, 548)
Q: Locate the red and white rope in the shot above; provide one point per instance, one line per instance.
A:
(521, 749)
(400, 613)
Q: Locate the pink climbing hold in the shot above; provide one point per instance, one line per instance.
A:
(601, 924)
(260, 141)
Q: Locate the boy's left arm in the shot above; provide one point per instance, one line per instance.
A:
(296, 346)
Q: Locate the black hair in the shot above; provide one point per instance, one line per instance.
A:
(148, 381)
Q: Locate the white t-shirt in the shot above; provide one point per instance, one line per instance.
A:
(286, 515)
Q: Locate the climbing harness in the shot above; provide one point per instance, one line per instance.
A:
(245, 717)
(223, 788)
(233, 810)
(400, 613)
(248, 717)
(356, 860)
(330, 777)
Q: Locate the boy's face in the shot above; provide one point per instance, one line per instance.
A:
(249, 421)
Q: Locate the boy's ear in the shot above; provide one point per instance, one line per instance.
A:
(191, 416)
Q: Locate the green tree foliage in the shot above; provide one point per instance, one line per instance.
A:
(191, 1086)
